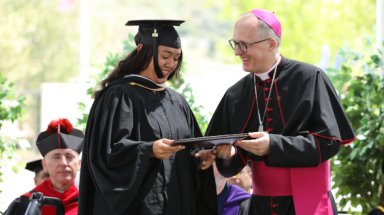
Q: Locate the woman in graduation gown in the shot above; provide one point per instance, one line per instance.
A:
(128, 165)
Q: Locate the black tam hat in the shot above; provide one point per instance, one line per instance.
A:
(60, 134)
(157, 32)
(34, 166)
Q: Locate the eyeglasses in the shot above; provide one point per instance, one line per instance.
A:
(243, 46)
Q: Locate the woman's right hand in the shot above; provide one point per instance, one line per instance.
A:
(225, 152)
(162, 150)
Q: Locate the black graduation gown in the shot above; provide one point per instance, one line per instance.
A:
(118, 176)
(304, 119)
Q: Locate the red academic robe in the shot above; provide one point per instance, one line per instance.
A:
(69, 199)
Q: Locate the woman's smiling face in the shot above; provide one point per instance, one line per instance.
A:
(168, 59)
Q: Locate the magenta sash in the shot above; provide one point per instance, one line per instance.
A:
(270, 181)
(309, 186)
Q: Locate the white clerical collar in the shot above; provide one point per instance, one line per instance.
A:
(136, 75)
(265, 75)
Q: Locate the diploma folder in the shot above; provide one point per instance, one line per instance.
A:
(211, 141)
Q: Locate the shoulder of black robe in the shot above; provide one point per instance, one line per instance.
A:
(18, 206)
(315, 108)
(122, 192)
(379, 210)
(244, 207)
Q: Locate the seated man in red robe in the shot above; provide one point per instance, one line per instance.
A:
(60, 146)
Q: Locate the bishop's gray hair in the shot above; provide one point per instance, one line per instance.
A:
(264, 31)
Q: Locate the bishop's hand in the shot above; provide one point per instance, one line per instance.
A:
(260, 146)
(207, 157)
(162, 150)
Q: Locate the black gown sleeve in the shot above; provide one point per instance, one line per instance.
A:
(317, 139)
(18, 206)
(300, 151)
(122, 169)
(233, 168)
(244, 207)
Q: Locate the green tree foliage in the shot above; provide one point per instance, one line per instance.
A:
(39, 44)
(11, 110)
(357, 167)
(307, 24)
(177, 84)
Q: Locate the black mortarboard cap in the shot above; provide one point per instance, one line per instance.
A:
(157, 32)
(60, 135)
(34, 166)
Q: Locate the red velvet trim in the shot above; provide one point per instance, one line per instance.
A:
(318, 144)
(244, 159)
(241, 156)
(265, 103)
(343, 142)
(347, 143)
(28, 195)
(249, 117)
(278, 101)
(58, 134)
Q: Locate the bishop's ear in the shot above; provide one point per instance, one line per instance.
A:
(272, 44)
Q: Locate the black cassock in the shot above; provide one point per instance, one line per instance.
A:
(379, 210)
(304, 119)
(118, 176)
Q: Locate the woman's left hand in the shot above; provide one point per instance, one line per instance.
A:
(207, 157)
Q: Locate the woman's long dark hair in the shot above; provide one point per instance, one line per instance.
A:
(135, 62)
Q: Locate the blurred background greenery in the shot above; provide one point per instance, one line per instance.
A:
(40, 43)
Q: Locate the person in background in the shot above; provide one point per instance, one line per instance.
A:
(231, 200)
(60, 145)
(37, 168)
(243, 179)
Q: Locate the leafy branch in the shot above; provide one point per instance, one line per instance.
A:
(356, 168)
(11, 109)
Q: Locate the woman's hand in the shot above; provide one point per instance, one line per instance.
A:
(162, 150)
(225, 152)
(207, 157)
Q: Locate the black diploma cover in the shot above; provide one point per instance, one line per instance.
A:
(211, 141)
